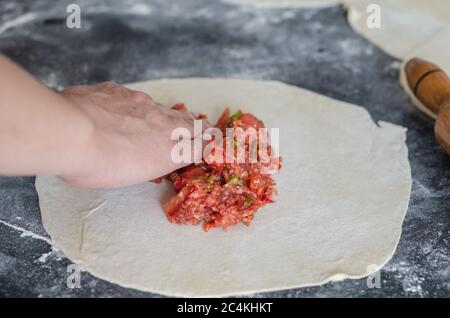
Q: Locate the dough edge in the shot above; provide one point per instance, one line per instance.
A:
(333, 277)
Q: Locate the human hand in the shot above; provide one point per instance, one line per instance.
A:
(130, 138)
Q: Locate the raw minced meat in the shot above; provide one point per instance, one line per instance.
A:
(220, 194)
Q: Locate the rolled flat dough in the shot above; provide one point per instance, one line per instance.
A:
(343, 194)
(409, 28)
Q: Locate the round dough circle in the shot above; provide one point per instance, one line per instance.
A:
(343, 194)
(409, 28)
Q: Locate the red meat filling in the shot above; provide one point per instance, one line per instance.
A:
(217, 194)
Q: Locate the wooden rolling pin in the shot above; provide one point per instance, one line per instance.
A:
(430, 87)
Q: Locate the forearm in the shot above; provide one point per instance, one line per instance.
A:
(40, 132)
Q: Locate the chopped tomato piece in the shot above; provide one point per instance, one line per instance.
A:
(223, 120)
(248, 120)
(181, 107)
(222, 194)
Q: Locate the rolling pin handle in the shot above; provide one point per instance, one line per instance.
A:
(431, 86)
(429, 83)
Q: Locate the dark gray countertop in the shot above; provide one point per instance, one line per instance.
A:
(139, 40)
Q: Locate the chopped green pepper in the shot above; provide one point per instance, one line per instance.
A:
(234, 180)
(211, 179)
(236, 115)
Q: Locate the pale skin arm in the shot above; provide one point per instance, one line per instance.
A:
(101, 135)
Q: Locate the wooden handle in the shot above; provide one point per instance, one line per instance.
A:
(431, 86)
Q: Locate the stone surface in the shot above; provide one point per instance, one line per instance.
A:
(138, 40)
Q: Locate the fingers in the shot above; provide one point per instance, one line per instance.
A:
(190, 117)
(140, 97)
(195, 126)
(78, 89)
(106, 87)
(117, 90)
(120, 99)
(112, 89)
(128, 95)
